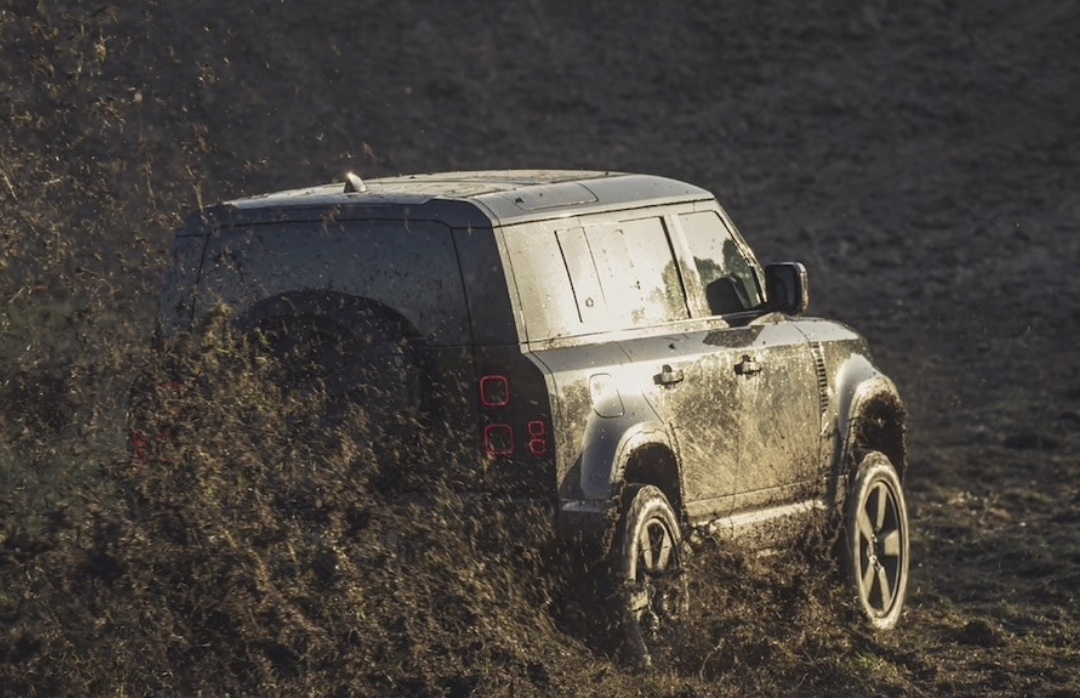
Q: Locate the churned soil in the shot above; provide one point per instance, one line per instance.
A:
(921, 158)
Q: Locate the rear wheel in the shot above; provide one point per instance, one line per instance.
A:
(876, 546)
(649, 564)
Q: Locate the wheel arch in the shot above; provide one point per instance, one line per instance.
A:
(873, 418)
(647, 457)
(880, 424)
(357, 327)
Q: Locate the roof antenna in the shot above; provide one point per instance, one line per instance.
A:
(353, 183)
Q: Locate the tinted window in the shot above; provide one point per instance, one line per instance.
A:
(410, 267)
(637, 272)
(485, 287)
(726, 274)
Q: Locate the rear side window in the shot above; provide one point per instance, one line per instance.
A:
(548, 307)
(581, 280)
(637, 272)
(727, 275)
(591, 305)
(408, 266)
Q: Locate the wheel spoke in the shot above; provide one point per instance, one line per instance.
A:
(886, 589)
(881, 504)
(868, 580)
(663, 556)
(866, 528)
(890, 544)
(639, 602)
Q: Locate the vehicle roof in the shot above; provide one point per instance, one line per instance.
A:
(505, 196)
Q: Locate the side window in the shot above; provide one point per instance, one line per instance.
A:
(637, 272)
(591, 305)
(547, 299)
(581, 280)
(727, 276)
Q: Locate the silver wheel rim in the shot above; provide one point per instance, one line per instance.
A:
(655, 595)
(879, 548)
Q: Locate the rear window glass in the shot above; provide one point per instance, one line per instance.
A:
(410, 267)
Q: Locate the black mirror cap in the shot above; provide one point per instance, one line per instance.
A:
(787, 288)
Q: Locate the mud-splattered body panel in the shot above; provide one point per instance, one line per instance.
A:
(582, 331)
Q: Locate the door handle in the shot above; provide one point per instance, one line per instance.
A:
(748, 367)
(668, 376)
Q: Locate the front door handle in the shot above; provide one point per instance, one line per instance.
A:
(748, 367)
(668, 376)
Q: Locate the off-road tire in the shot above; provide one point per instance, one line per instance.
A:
(876, 541)
(649, 557)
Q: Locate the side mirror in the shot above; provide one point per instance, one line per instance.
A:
(787, 288)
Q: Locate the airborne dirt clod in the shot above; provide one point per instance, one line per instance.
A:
(920, 158)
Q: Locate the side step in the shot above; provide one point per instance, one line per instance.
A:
(762, 527)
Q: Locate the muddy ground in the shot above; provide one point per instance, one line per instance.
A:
(921, 158)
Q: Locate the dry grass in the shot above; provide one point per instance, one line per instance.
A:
(918, 156)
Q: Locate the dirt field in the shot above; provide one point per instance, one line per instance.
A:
(921, 158)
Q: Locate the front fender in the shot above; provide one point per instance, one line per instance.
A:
(866, 393)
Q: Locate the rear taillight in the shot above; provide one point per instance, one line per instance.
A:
(494, 391)
(500, 434)
(538, 438)
(145, 447)
(140, 445)
(499, 440)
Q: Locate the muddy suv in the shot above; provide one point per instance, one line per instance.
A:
(606, 341)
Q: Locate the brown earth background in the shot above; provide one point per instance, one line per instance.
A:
(921, 158)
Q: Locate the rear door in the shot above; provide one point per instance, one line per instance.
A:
(687, 378)
(670, 362)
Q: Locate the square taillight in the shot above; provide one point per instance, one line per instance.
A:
(494, 391)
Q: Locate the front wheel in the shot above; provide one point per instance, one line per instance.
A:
(649, 564)
(876, 546)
